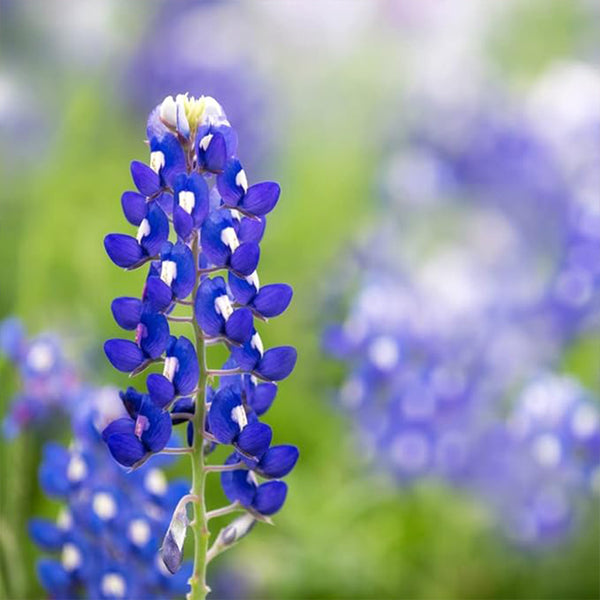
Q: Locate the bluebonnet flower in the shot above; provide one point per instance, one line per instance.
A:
(49, 384)
(105, 541)
(212, 63)
(196, 183)
(495, 273)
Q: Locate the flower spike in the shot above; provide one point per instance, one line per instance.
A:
(197, 215)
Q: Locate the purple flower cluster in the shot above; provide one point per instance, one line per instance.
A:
(199, 224)
(496, 271)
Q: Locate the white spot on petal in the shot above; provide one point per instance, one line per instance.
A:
(104, 505)
(143, 230)
(238, 414)
(157, 160)
(585, 421)
(113, 585)
(256, 343)
(64, 520)
(546, 450)
(168, 271)
(230, 238)
(156, 482)
(205, 141)
(71, 557)
(40, 357)
(223, 306)
(241, 180)
(252, 279)
(383, 352)
(139, 532)
(187, 201)
(170, 367)
(77, 469)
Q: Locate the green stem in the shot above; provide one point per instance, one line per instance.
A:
(198, 587)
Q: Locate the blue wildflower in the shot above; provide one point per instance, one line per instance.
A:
(196, 183)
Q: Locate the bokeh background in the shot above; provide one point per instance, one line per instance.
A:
(323, 95)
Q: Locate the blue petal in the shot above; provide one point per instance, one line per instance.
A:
(124, 355)
(208, 318)
(157, 294)
(183, 223)
(174, 156)
(46, 534)
(210, 237)
(53, 576)
(53, 470)
(165, 201)
(215, 156)
(123, 250)
(132, 401)
(145, 179)
(239, 326)
(127, 312)
(183, 284)
(261, 198)
(254, 439)
(245, 258)
(277, 363)
(156, 437)
(13, 337)
(262, 397)
(251, 230)
(161, 390)
(278, 461)
(220, 421)
(159, 230)
(246, 356)
(242, 290)
(122, 442)
(273, 299)
(134, 207)
(230, 191)
(188, 373)
(155, 334)
(269, 497)
(122, 426)
(238, 485)
(195, 184)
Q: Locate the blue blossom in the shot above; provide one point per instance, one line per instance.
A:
(105, 541)
(49, 386)
(195, 183)
(457, 321)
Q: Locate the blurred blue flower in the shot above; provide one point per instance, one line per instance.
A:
(49, 386)
(105, 541)
(482, 271)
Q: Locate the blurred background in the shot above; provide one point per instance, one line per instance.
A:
(440, 225)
